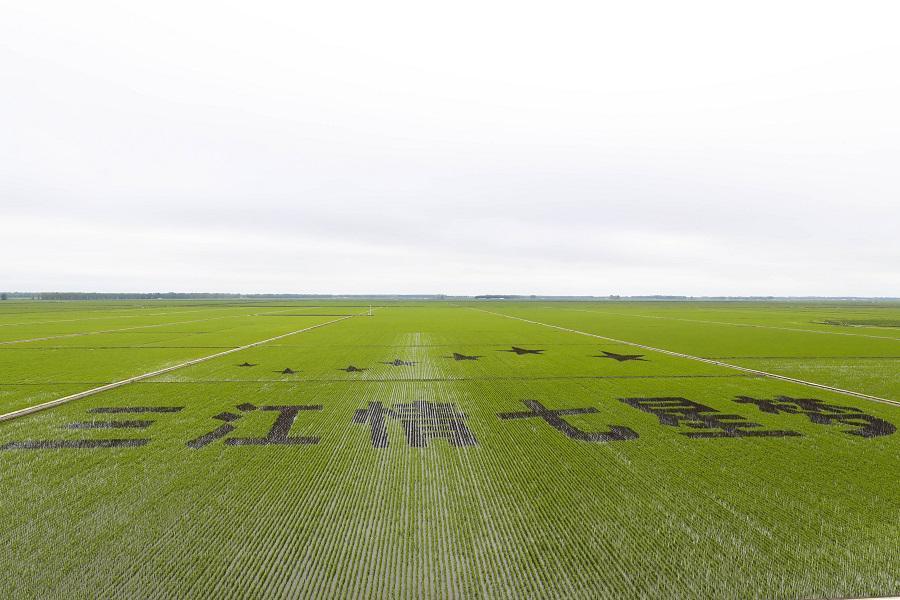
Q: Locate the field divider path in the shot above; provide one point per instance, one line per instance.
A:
(105, 317)
(752, 325)
(116, 384)
(99, 331)
(710, 361)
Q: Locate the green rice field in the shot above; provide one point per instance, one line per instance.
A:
(466, 449)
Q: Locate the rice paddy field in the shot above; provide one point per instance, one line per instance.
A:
(439, 449)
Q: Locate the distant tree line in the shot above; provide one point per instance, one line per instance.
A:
(207, 296)
(128, 296)
(517, 297)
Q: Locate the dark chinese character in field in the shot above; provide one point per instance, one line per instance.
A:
(675, 412)
(374, 416)
(102, 425)
(422, 421)
(554, 419)
(278, 434)
(817, 411)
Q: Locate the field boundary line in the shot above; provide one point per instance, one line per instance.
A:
(101, 331)
(116, 384)
(710, 361)
(752, 325)
(132, 316)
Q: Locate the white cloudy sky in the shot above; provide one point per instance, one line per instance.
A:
(457, 147)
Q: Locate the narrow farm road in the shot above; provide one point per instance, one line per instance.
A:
(704, 360)
(751, 325)
(99, 331)
(109, 386)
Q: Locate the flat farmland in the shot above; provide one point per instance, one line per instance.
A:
(440, 449)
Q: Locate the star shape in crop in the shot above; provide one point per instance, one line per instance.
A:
(352, 369)
(521, 351)
(399, 363)
(620, 357)
(287, 371)
(458, 356)
(246, 364)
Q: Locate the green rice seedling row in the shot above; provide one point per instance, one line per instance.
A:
(440, 449)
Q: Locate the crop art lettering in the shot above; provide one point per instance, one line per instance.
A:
(101, 425)
(817, 411)
(422, 421)
(278, 434)
(554, 418)
(681, 412)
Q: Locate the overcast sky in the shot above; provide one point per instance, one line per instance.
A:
(456, 147)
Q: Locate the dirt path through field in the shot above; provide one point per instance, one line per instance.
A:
(83, 333)
(31, 409)
(753, 325)
(705, 360)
